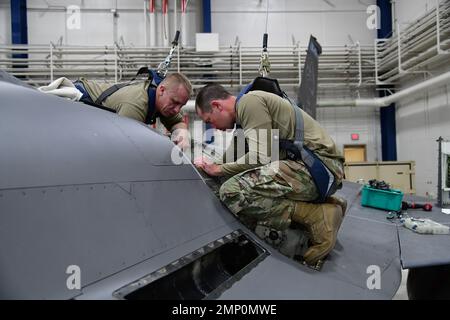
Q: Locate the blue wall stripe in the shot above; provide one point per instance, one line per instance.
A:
(207, 29)
(206, 16)
(19, 27)
(387, 114)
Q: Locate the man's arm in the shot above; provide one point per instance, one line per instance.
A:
(171, 122)
(179, 125)
(131, 110)
(210, 168)
(257, 125)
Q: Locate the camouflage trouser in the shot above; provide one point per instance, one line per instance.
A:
(267, 194)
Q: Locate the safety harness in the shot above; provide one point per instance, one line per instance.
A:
(296, 150)
(154, 80)
(155, 77)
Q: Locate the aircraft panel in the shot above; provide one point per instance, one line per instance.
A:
(52, 141)
(362, 241)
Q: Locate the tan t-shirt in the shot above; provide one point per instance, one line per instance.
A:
(130, 101)
(263, 110)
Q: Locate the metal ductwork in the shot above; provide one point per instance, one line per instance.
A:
(388, 100)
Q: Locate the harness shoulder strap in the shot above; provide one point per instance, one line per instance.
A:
(105, 94)
(150, 117)
(144, 70)
(322, 176)
(299, 125)
(152, 76)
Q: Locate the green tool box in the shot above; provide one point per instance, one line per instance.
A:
(382, 199)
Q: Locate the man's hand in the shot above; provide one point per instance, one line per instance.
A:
(210, 168)
(181, 137)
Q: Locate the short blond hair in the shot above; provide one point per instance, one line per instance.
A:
(175, 79)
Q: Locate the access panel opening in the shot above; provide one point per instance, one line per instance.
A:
(203, 274)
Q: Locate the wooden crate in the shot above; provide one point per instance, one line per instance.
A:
(400, 174)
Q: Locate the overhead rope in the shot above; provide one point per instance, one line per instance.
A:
(264, 63)
(164, 66)
(164, 17)
(267, 14)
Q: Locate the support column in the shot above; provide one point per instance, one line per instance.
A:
(19, 27)
(206, 16)
(183, 23)
(166, 32)
(207, 29)
(152, 17)
(387, 114)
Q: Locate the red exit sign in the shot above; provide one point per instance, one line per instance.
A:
(355, 136)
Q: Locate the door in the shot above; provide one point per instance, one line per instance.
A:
(355, 153)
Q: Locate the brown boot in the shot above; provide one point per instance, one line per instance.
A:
(322, 221)
(339, 201)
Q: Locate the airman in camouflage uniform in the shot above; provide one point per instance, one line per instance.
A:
(280, 192)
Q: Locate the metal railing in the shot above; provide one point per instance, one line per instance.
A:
(234, 66)
(344, 71)
(421, 45)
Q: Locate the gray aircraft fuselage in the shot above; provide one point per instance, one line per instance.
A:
(89, 196)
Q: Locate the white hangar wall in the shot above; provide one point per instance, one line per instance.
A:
(425, 117)
(341, 122)
(47, 22)
(421, 120)
(332, 22)
(5, 22)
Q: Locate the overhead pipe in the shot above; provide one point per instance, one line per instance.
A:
(375, 102)
(183, 23)
(145, 24)
(165, 19)
(152, 16)
(425, 32)
(175, 17)
(388, 100)
(175, 28)
(402, 71)
(328, 62)
(391, 60)
(438, 31)
(115, 23)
